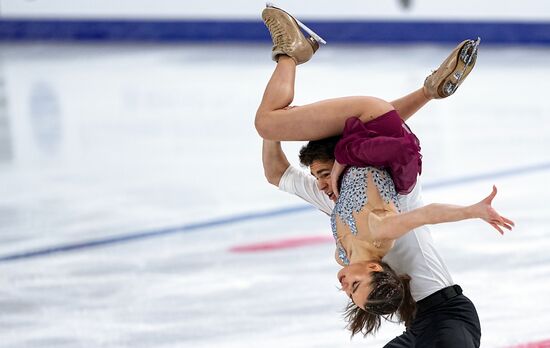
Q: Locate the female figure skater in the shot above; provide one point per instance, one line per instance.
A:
(367, 218)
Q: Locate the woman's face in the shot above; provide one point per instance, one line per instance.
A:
(355, 279)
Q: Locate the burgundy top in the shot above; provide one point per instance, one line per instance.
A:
(385, 142)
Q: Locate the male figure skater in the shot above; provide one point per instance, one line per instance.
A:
(444, 317)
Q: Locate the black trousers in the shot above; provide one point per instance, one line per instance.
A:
(445, 319)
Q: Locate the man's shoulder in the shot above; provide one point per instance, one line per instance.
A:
(303, 185)
(414, 198)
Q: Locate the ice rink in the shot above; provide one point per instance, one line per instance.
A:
(130, 173)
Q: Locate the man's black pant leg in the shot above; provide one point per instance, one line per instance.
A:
(454, 323)
(406, 340)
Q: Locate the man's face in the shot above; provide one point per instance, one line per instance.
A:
(321, 171)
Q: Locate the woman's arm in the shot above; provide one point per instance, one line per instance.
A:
(393, 227)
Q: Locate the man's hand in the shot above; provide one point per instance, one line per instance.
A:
(486, 212)
(337, 170)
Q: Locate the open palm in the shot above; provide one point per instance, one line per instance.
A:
(485, 211)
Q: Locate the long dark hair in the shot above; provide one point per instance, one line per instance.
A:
(390, 294)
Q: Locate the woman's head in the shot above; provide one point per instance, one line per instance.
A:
(375, 291)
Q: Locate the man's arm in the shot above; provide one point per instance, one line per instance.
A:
(274, 161)
(280, 173)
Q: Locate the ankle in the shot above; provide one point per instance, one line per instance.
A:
(426, 94)
(284, 59)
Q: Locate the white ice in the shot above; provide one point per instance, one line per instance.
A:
(98, 141)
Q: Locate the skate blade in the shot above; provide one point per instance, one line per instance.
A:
(475, 46)
(311, 33)
(449, 88)
(468, 57)
(469, 51)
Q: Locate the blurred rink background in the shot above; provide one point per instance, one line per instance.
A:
(133, 207)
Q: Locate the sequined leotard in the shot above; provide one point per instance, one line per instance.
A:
(385, 159)
(349, 219)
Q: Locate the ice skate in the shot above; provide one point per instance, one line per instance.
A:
(453, 71)
(287, 36)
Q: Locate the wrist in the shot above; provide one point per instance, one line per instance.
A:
(471, 211)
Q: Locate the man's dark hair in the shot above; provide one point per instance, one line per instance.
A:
(318, 150)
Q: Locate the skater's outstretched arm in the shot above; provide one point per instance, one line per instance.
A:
(393, 227)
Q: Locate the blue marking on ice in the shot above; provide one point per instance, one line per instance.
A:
(246, 217)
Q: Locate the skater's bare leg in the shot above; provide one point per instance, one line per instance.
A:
(308, 122)
(443, 82)
(279, 92)
(408, 105)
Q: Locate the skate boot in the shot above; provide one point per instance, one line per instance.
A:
(453, 71)
(287, 36)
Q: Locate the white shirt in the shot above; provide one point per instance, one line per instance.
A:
(413, 254)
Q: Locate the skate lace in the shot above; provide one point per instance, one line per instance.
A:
(277, 32)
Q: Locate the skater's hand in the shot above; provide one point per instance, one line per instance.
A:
(337, 170)
(486, 212)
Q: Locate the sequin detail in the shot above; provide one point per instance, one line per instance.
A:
(353, 197)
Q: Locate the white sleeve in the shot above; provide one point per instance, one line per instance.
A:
(412, 200)
(303, 185)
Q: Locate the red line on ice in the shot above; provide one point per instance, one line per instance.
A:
(311, 240)
(541, 344)
(281, 244)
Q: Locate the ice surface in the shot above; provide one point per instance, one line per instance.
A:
(102, 141)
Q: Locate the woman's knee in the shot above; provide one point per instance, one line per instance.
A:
(263, 125)
(373, 107)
